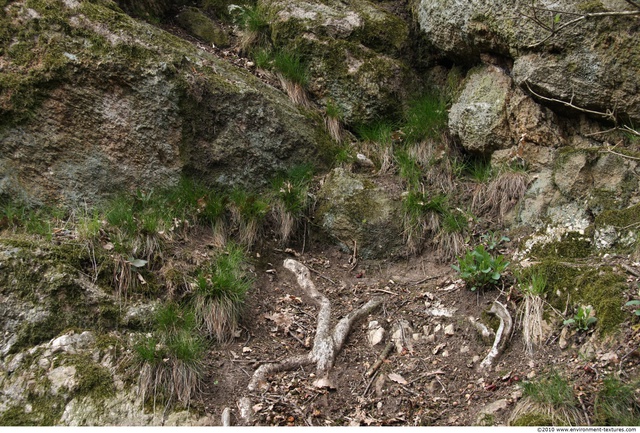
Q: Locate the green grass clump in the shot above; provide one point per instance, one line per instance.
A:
(291, 199)
(616, 404)
(425, 118)
(219, 294)
(171, 359)
(549, 400)
(291, 67)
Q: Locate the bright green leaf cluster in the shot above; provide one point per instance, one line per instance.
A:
(479, 269)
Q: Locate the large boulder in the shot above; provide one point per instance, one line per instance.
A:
(493, 114)
(592, 63)
(354, 51)
(92, 102)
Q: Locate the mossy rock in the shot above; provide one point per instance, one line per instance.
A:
(354, 209)
(572, 245)
(578, 284)
(198, 24)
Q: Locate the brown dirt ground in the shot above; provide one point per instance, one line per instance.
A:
(455, 396)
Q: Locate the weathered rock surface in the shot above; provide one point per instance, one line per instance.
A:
(593, 63)
(356, 211)
(492, 114)
(354, 52)
(106, 103)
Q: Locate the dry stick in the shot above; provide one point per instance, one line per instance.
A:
(574, 21)
(428, 374)
(428, 278)
(366, 390)
(384, 291)
(620, 154)
(380, 360)
(608, 115)
(321, 276)
(630, 270)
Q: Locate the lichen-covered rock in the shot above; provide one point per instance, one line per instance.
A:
(354, 52)
(199, 25)
(104, 103)
(493, 114)
(592, 64)
(356, 211)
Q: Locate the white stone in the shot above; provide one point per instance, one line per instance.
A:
(449, 329)
(62, 377)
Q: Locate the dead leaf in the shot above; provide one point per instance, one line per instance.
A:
(108, 246)
(282, 320)
(397, 378)
(246, 349)
(142, 280)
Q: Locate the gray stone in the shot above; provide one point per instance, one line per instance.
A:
(352, 207)
(354, 50)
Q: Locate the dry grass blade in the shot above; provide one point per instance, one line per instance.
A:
(284, 220)
(504, 192)
(334, 127)
(296, 92)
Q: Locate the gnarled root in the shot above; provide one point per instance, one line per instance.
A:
(326, 345)
(504, 330)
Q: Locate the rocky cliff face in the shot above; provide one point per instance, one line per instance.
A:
(95, 102)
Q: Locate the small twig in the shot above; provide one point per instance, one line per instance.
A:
(608, 115)
(555, 31)
(321, 276)
(630, 270)
(380, 360)
(366, 390)
(385, 291)
(584, 410)
(443, 387)
(620, 154)
(429, 374)
(427, 279)
(354, 258)
(299, 340)
(625, 357)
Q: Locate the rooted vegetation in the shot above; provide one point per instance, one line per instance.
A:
(203, 296)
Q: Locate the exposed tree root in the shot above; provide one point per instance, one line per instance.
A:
(504, 330)
(326, 345)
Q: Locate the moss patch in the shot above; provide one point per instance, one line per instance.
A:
(532, 419)
(573, 245)
(599, 287)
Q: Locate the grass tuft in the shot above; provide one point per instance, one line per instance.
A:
(219, 293)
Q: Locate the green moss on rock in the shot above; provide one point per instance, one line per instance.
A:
(573, 245)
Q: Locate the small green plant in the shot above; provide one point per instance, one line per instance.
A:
(634, 303)
(479, 269)
(493, 240)
(219, 293)
(616, 404)
(583, 319)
